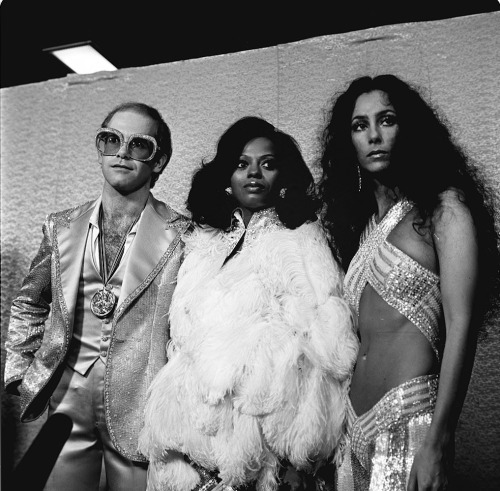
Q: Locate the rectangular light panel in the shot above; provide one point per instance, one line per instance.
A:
(82, 59)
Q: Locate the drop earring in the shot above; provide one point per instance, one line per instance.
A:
(282, 193)
(359, 179)
(229, 190)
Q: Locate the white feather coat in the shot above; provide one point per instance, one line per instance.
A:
(261, 353)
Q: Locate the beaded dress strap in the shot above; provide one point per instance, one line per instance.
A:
(373, 234)
(406, 285)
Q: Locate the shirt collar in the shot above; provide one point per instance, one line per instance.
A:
(260, 219)
(94, 218)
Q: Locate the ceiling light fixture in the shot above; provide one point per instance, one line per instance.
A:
(81, 58)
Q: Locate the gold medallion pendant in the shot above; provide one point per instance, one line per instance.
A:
(103, 303)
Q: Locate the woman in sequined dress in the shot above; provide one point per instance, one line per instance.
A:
(410, 220)
(262, 340)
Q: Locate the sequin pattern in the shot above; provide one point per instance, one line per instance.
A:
(382, 442)
(28, 317)
(137, 351)
(402, 282)
(266, 220)
(140, 334)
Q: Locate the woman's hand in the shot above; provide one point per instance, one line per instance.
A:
(430, 468)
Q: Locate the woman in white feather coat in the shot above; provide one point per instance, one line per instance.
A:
(262, 342)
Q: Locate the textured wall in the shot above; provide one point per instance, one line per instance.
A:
(49, 162)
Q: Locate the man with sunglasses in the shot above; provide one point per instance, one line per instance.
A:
(105, 271)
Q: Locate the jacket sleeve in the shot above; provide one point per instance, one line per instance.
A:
(336, 343)
(315, 358)
(29, 311)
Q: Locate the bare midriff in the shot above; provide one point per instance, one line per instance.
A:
(392, 351)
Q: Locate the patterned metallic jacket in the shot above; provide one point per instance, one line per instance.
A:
(36, 350)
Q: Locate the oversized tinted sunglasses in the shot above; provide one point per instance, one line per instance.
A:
(139, 147)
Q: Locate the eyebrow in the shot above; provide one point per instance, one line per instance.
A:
(262, 156)
(380, 113)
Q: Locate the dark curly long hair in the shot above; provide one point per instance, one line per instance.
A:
(208, 201)
(420, 178)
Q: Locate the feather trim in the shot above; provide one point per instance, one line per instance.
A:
(260, 358)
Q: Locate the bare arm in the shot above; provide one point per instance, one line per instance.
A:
(29, 312)
(457, 252)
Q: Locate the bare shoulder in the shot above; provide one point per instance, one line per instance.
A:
(413, 236)
(452, 215)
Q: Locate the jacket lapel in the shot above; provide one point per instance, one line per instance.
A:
(149, 245)
(71, 246)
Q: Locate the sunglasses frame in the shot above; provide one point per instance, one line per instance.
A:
(119, 134)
